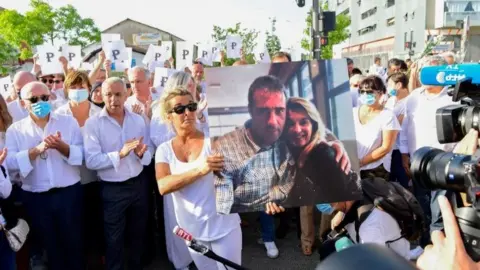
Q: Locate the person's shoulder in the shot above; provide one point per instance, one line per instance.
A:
(94, 109)
(63, 109)
(164, 149)
(231, 137)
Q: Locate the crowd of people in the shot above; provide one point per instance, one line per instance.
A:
(91, 161)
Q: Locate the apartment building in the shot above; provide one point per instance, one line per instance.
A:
(401, 28)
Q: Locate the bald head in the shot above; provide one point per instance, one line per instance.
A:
(34, 89)
(21, 79)
(240, 63)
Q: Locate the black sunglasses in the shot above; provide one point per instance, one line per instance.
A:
(181, 108)
(128, 85)
(57, 81)
(34, 100)
(45, 81)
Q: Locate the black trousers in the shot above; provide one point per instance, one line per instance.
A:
(125, 213)
(57, 217)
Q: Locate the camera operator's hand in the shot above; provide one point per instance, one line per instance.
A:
(447, 251)
(468, 145)
(406, 165)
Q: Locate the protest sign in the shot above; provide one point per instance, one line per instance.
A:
(48, 57)
(5, 86)
(73, 54)
(184, 54)
(234, 46)
(116, 51)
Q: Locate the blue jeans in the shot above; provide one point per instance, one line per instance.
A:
(437, 220)
(424, 196)
(397, 172)
(7, 256)
(267, 226)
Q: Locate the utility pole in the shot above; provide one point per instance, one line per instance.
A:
(317, 29)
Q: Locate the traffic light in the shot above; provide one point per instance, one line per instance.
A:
(408, 45)
(323, 41)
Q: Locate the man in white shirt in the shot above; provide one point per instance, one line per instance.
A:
(378, 69)
(117, 146)
(16, 107)
(419, 129)
(141, 100)
(46, 149)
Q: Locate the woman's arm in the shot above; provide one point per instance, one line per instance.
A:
(388, 140)
(168, 183)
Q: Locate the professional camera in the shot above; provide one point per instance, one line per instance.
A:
(435, 169)
(455, 121)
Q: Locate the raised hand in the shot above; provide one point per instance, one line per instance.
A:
(128, 147)
(141, 148)
(212, 163)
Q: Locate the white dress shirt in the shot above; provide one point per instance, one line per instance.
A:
(419, 127)
(104, 138)
(5, 184)
(87, 176)
(53, 171)
(16, 110)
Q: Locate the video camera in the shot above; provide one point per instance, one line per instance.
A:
(454, 121)
(435, 169)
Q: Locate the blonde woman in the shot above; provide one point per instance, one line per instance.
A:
(306, 136)
(184, 168)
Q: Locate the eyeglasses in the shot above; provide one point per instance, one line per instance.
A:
(57, 81)
(34, 100)
(49, 81)
(181, 108)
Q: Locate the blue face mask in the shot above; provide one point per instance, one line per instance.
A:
(41, 109)
(392, 92)
(325, 208)
(78, 95)
(367, 99)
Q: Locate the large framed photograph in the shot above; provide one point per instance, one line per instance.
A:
(287, 134)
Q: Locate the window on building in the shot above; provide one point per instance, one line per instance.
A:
(339, 2)
(391, 21)
(411, 38)
(367, 29)
(345, 12)
(405, 38)
(359, 2)
(413, 15)
(461, 6)
(369, 13)
(405, 16)
(390, 3)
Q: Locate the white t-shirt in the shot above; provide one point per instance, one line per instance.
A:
(195, 205)
(379, 228)
(369, 136)
(398, 107)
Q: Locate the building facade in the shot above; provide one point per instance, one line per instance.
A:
(402, 28)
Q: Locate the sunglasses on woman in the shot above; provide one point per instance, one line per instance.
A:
(47, 80)
(181, 108)
(34, 100)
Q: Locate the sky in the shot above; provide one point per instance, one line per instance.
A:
(192, 20)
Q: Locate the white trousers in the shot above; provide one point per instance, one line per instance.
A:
(177, 251)
(228, 247)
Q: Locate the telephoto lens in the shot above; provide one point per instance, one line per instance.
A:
(455, 121)
(433, 169)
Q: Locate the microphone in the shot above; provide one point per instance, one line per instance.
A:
(366, 257)
(343, 243)
(204, 250)
(449, 75)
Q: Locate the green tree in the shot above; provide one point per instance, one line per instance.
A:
(273, 42)
(8, 56)
(42, 24)
(337, 36)
(249, 37)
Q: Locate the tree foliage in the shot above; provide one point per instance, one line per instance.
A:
(337, 36)
(273, 42)
(42, 24)
(249, 37)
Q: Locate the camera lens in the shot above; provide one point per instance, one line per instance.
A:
(435, 169)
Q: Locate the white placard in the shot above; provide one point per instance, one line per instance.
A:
(108, 38)
(5, 86)
(73, 54)
(49, 59)
(86, 66)
(262, 55)
(184, 52)
(168, 49)
(161, 76)
(216, 52)
(116, 51)
(205, 54)
(155, 64)
(121, 66)
(234, 46)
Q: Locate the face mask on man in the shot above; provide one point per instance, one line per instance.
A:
(78, 95)
(367, 99)
(392, 92)
(41, 109)
(325, 208)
